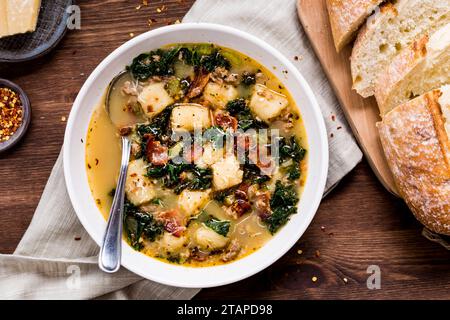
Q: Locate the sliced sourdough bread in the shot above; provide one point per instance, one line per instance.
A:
(394, 27)
(416, 141)
(346, 16)
(423, 66)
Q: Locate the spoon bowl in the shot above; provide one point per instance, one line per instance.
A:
(121, 116)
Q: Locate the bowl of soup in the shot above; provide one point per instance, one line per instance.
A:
(229, 153)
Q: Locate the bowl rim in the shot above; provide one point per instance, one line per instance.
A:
(322, 148)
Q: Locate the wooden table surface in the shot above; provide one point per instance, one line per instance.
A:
(359, 224)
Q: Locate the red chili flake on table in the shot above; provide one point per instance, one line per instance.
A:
(11, 113)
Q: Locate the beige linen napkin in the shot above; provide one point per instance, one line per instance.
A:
(56, 259)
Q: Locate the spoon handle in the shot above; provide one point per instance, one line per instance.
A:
(111, 249)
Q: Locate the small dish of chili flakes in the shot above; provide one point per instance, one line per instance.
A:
(15, 114)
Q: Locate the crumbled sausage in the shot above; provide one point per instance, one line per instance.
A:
(232, 251)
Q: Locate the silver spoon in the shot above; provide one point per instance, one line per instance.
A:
(111, 249)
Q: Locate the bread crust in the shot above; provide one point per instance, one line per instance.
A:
(417, 149)
(346, 16)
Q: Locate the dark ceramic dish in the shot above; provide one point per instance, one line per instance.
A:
(50, 29)
(26, 117)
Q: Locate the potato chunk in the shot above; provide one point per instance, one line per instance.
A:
(267, 104)
(208, 239)
(172, 244)
(209, 156)
(154, 98)
(138, 187)
(190, 202)
(190, 116)
(219, 95)
(226, 173)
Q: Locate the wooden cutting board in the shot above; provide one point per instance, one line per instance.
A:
(362, 114)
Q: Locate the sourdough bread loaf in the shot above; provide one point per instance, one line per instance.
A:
(415, 138)
(346, 16)
(419, 68)
(394, 27)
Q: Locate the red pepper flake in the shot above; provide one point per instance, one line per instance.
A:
(332, 135)
(163, 8)
(339, 128)
(333, 117)
(77, 238)
(11, 113)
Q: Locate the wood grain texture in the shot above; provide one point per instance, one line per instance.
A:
(362, 114)
(364, 225)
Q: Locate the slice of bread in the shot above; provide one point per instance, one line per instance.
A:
(346, 16)
(416, 141)
(423, 66)
(394, 27)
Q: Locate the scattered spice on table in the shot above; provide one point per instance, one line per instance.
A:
(174, 22)
(11, 113)
(163, 8)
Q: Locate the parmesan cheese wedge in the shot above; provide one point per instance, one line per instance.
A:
(18, 16)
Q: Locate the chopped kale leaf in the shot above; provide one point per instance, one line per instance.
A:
(222, 227)
(154, 63)
(196, 178)
(138, 224)
(291, 149)
(293, 171)
(207, 58)
(283, 204)
(239, 109)
(221, 195)
(252, 174)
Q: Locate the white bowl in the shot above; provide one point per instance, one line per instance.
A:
(93, 90)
